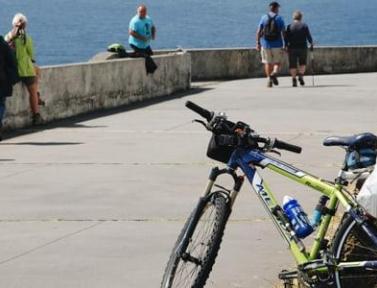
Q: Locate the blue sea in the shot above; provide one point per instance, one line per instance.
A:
(66, 31)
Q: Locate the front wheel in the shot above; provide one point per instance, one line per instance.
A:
(352, 244)
(197, 246)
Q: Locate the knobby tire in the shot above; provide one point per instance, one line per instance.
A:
(203, 246)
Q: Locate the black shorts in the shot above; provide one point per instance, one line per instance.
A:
(29, 80)
(297, 56)
(147, 51)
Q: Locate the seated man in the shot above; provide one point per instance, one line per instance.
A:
(141, 31)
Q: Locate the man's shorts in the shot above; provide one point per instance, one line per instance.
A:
(30, 80)
(147, 51)
(272, 55)
(297, 56)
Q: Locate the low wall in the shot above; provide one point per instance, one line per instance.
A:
(80, 88)
(233, 63)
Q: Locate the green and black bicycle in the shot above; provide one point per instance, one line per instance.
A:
(348, 259)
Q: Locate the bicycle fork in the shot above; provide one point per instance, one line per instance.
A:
(230, 195)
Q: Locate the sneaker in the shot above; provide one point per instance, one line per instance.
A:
(274, 79)
(37, 120)
(40, 101)
(269, 83)
(294, 82)
(301, 80)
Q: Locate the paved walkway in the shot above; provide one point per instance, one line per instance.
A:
(98, 202)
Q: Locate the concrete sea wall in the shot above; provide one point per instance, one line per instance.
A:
(80, 88)
(105, 82)
(234, 63)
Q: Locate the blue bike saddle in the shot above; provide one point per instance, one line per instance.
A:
(363, 140)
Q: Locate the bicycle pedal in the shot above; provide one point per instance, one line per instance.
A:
(288, 275)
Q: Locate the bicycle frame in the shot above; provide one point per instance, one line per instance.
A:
(248, 161)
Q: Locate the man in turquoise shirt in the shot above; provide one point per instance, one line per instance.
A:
(141, 31)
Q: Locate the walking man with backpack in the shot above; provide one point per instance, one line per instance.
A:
(269, 40)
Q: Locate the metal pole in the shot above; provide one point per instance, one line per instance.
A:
(312, 64)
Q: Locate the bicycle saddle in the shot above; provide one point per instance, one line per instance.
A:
(363, 140)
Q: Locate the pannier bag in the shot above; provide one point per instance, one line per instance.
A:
(367, 196)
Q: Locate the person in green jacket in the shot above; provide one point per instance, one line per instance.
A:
(27, 71)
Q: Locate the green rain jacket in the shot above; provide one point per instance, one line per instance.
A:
(25, 56)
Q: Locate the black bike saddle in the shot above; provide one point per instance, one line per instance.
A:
(363, 140)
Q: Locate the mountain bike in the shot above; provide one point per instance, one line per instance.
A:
(348, 259)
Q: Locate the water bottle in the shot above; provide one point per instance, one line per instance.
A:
(297, 217)
(318, 211)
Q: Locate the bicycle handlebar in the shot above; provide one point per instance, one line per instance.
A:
(208, 115)
(286, 146)
(201, 111)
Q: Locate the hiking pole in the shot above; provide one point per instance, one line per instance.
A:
(312, 63)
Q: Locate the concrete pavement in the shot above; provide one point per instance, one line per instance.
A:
(99, 202)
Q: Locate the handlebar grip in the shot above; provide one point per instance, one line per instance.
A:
(286, 146)
(201, 111)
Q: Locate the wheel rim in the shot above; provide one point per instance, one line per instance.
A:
(354, 246)
(188, 266)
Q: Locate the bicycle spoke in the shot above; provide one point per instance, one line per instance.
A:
(188, 268)
(188, 275)
(201, 242)
(356, 247)
(192, 266)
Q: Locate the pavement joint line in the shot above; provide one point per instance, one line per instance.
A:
(149, 220)
(171, 131)
(295, 137)
(178, 126)
(15, 173)
(111, 163)
(209, 164)
(29, 251)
